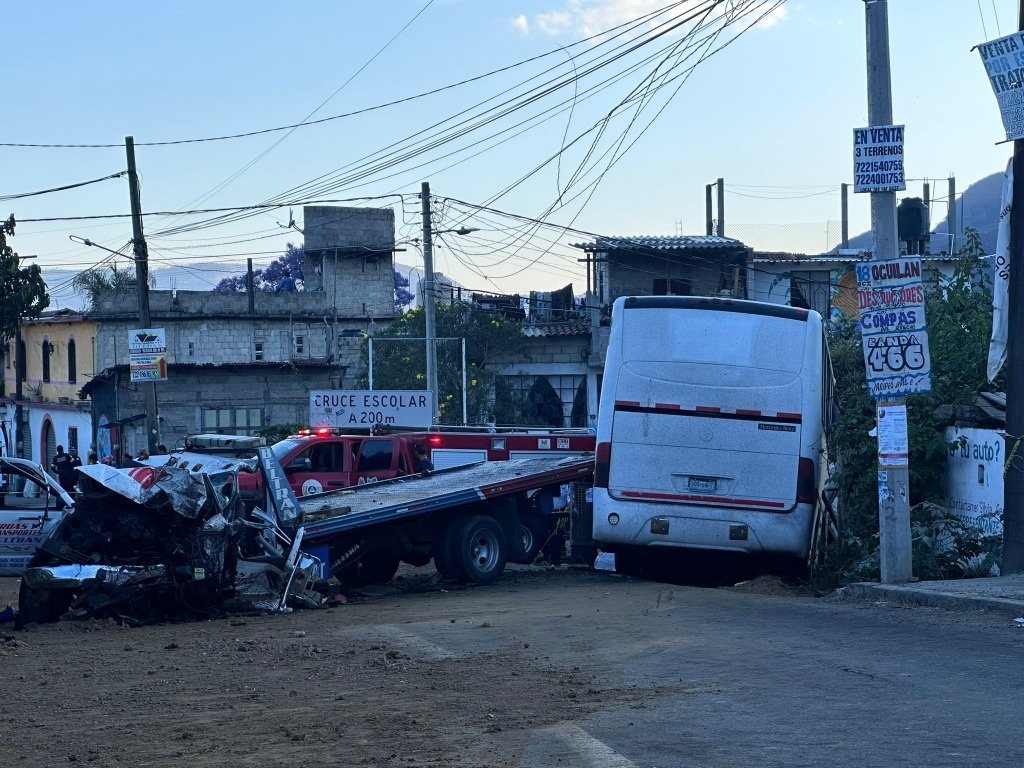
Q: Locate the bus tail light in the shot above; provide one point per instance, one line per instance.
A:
(601, 465)
(805, 485)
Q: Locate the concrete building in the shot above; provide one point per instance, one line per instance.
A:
(43, 369)
(242, 360)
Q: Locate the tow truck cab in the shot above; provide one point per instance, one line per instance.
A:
(323, 461)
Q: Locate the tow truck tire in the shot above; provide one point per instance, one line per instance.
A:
(478, 549)
(41, 606)
(373, 568)
(535, 532)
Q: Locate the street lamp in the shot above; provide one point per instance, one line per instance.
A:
(428, 293)
(87, 241)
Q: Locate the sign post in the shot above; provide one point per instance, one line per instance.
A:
(366, 409)
(147, 354)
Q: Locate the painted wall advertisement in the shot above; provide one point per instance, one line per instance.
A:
(974, 477)
(1004, 65)
(890, 296)
(364, 409)
(147, 354)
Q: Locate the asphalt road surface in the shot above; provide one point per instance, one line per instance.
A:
(550, 667)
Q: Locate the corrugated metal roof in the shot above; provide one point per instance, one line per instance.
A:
(778, 257)
(675, 243)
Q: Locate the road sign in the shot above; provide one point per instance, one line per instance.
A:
(1002, 59)
(878, 159)
(147, 354)
(890, 295)
(363, 409)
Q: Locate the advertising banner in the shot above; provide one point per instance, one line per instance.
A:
(1003, 64)
(364, 409)
(147, 354)
(878, 159)
(890, 295)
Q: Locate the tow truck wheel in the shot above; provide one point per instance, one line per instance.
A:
(478, 549)
(42, 605)
(534, 532)
(373, 568)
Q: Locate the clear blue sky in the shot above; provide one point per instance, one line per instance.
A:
(772, 113)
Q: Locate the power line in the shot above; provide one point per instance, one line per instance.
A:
(21, 195)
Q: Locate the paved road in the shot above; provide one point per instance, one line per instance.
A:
(746, 679)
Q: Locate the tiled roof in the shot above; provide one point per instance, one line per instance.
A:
(847, 256)
(675, 243)
(566, 328)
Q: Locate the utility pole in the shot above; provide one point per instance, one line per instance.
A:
(893, 482)
(1013, 483)
(141, 253)
(709, 209)
(953, 220)
(720, 230)
(428, 300)
(844, 215)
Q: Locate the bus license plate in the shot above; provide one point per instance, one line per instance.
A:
(704, 484)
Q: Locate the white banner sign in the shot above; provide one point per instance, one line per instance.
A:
(147, 354)
(890, 296)
(878, 159)
(893, 443)
(1001, 280)
(1003, 60)
(363, 409)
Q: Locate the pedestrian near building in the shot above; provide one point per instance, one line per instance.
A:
(423, 464)
(64, 468)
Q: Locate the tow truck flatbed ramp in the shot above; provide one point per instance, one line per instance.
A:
(414, 495)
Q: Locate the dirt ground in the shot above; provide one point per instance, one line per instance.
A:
(307, 688)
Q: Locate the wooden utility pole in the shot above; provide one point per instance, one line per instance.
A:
(141, 253)
(893, 482)
(1013, 484)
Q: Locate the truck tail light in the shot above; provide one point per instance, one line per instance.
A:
(601, 465)
(434, 440)
(323, 431)
(805, 486)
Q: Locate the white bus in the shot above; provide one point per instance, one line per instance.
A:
(711, 429)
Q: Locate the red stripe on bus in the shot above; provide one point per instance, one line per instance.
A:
(745, 412)
(794, 416)
(668, 406)
(704, 499)
(633, 403)
(707, 409)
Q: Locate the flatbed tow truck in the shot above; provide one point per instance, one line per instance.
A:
(466, 518)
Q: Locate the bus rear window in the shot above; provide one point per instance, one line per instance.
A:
(724, 338)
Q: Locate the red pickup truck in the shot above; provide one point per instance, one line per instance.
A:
(320, 462)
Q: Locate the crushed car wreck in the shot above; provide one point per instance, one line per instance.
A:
(170, 542)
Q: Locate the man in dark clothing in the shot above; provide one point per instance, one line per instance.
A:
(65, 469)
(423, 464)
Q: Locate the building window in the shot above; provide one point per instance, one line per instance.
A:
(72, 362)
(258, 351)
(300, 345)
(232, 421)
(191, 349)
(73, 438)
(47, 349)
(666, 287)
(812, 290)
(20, 366)
(555, 401)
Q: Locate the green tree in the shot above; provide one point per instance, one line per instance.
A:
(959, 315)
(94, 282)
(402, 364)
(23, 288)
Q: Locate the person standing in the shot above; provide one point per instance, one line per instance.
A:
(423, 465)
(64, 469)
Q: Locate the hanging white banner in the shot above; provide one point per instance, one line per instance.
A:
(1001, 279)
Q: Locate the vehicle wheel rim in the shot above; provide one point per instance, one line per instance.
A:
(527, 534)
(484, 550)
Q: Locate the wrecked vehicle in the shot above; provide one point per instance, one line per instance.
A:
(31, 504)
(158, 543)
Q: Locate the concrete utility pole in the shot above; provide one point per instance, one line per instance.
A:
(428, 300)
(141, 252)
(720, 230)
(709, 209)
(893, 483)
(844, 215)
(1013, 484)
(953, 220)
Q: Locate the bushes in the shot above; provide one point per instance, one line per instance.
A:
(959, 315)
